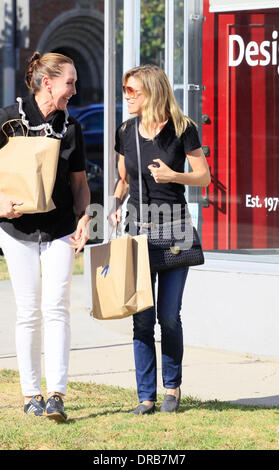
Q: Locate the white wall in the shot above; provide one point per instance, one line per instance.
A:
(235, 5)
(234, 306)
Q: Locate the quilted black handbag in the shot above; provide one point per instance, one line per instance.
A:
(171, 244)
(168, 250)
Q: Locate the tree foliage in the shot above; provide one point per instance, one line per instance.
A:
(152, 31)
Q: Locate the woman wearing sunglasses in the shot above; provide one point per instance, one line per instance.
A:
(166, 139)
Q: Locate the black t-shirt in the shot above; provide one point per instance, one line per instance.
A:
(171, 150)
(62, 220)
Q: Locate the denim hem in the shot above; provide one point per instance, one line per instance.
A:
(147, 399)
(172, 387)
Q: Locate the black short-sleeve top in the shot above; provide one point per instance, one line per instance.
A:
(61, 221)
(170, 149)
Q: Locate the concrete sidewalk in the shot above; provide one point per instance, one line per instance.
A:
(102, 352)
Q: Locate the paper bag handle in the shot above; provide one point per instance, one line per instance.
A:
(112, 230)
(9, 122)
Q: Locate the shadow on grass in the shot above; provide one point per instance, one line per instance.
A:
(190, 403)
(127, 412)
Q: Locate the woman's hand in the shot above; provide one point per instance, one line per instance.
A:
(81, 234)
(161, 172)
(7, 204)
(81, 196)
(199, 176)
(115, 217)
(120, 192)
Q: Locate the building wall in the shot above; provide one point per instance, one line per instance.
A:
(73, 27)
(41, 15)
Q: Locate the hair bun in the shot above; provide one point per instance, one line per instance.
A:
(47, 65)
(30, 67)
(35, 56)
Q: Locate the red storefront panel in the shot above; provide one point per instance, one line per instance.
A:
(240, 76)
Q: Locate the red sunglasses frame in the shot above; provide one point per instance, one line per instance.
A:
(130, 91)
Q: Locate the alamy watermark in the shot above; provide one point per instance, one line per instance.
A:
(158, 221)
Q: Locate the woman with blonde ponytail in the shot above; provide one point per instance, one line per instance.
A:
(166, 138)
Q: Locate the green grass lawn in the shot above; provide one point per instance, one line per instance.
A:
(99, 418)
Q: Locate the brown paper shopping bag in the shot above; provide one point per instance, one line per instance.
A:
(120, 274)
(28, 167)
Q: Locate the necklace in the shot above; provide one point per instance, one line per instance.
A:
(48, 129)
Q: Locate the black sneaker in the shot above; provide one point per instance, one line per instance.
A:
(36, 406)
(55, 409)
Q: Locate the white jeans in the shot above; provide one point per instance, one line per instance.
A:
(37, 297)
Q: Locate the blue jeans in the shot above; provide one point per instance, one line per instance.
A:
(170, 290)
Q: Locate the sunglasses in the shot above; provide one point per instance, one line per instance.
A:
(130, 92)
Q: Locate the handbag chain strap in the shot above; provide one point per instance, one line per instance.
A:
(139, 171)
